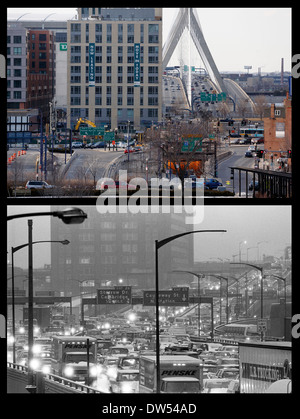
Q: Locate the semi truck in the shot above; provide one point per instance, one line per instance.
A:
(262, 364)
(75, 357)
(178, 374)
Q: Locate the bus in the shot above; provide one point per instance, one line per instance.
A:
(251, 132)
(237, 330)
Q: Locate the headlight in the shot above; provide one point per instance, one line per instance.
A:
(22, 330)
(69, 371)
(36, 349)
(35, 364)
(95, 370)
(46, 369)
(36, 330)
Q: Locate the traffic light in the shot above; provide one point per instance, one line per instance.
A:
(232, 174)
(289, 154)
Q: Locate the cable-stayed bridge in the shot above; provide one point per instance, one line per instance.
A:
(187, 32)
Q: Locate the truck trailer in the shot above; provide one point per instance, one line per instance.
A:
(262, 364)
(75, 357)
(178, 374)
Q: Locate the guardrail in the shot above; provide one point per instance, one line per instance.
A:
(51, 383)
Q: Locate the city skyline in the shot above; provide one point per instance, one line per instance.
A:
(262, 49)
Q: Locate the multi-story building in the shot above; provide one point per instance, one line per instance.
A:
(40, 79)
(278, 131)
(107, 248)
(25, 74)
(17, 66)
(114, 67)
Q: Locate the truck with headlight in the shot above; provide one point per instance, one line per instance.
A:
(178, 374)
(75, 357)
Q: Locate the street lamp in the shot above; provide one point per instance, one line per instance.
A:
(198, 276)
(259, 268)
(158, 245)
(68, 216)
(13, 250)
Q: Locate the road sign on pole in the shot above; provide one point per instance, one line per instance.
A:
(91, 131)
(175, 297)
(116, 295)
(262, 325)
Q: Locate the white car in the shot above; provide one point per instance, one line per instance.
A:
(37, 184)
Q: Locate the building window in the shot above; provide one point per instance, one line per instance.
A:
(17, 39)
(17, 62)
(17, 50)
(17, 95)
(42, 37)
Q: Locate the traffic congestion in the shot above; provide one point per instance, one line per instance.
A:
(118, 355)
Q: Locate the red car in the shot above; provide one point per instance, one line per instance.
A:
(131, 150)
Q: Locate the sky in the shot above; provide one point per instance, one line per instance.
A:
(268, 224)
(236, 37)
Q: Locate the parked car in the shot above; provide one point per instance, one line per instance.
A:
(77, 144)
(37, 184)
(99, 144)
(212, 183)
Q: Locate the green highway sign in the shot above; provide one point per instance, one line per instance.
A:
(109, 136)
(220, 97)
(91, 131)
(189, 144)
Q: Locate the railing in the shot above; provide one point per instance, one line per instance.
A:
(56, 384)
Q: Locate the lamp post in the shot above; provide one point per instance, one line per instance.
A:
(13, 250)
(198, 276)
(158, 245)
(68, 216)
(259, 268)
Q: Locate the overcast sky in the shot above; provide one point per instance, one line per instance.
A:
(252, 223)
(236, 37)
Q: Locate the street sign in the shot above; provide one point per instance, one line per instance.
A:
(262, 325)
(109, 136)
(178, 297)
(190, 142)
(116, 295)
(91, 131)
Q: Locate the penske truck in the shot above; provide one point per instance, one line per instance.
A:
(178, 374)
(75, 357)
(264, 363)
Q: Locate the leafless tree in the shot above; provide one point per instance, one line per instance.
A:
(179, 144)
(260, 105)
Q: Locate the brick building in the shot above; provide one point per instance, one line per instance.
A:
(278, 131)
